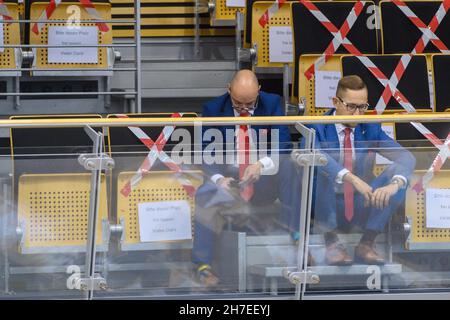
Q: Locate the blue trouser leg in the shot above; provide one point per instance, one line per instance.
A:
(202, 251)
(289, 193)
(204, 225)
(205, 228)
(379, 218)
(285, 185)
(370, 218)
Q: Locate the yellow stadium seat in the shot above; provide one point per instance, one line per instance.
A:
(53, 199)
(260, 36)
(224, 15)
(156, 186)
(11, 36)
(421, 237)
(307, 88)
(53, 213)
(105, 54)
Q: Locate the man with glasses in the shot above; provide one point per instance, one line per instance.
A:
(347, 194)
(257, 182)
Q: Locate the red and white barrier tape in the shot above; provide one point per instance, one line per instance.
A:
(391, 86)
(4, 11)
(427, 31)
(419, 47)
(156, 152)
(264, 19)
(51, 7)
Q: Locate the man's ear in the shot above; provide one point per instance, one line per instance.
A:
(335, 101)
(229, 88)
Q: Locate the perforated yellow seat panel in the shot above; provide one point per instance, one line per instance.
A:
(53, 210)
(11, 36)
(155, 186)
(60, 13)
(415, 210)
(260, 35)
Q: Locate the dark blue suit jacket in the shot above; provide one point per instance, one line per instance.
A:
(369, 139)
(268, 105)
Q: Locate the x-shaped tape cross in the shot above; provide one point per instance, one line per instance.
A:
(427, 36)
(51, 7)
(390, 85)
(410, 109)
(156, 152)
(428, 32)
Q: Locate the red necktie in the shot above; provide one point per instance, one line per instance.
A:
(348, 164)
(244, 157)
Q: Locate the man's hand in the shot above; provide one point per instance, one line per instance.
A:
(360, 186)
(381, 196)
(252, 173)
(224, 182)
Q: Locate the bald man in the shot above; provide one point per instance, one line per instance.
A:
(270, 176)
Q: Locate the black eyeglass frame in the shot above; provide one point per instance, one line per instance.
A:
(351, 107)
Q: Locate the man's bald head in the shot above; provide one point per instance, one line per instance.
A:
(244, 78)
(244, 87)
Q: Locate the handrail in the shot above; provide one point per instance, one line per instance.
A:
(223, 121)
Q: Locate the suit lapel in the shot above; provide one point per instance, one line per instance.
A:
(331, 136)
(332, 141)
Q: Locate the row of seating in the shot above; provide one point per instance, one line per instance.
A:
(311, 39)
(159, 18)
(52, 188)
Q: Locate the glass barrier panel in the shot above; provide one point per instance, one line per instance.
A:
(185, 223)
(44, 222)
(380, 222)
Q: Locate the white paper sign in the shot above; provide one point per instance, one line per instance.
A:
(389, 130)
(325, 87)
(73, 36)
(431, 86)
(164, 220)
(280, 44)
(235, 3)
(2, 42)
(438, 208)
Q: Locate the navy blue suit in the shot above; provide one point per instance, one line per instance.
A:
(328, 206)
(283, 185)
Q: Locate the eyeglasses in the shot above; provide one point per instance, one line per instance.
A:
(245, 106)
(351, 107)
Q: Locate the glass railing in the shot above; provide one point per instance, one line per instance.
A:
(175, 218)
(384, 227)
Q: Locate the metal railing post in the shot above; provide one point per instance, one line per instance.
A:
(137, 38)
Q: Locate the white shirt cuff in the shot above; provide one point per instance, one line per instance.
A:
(216, 177)
(268, 167)
(340, 176)
(405, 181)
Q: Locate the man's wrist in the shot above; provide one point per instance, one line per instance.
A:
(348, 177)
(397, 182)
